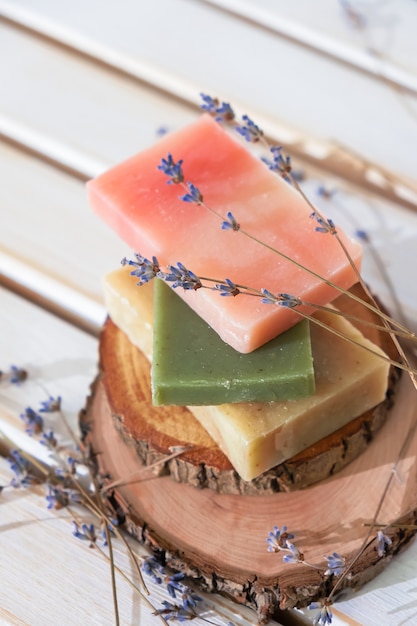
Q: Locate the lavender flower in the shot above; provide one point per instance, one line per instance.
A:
(210, 104)
(280, 165)
(51, 405)
(363, 236)
(161, 131)
(289, 301)
(17, 375)
(224, 113)
(193, 196)
(325, 616)
(107, 527)
(295, 555)
(221, 112)
(228, 289)
(324, 226)
(145, 269)
(249, 130)
(85, 532)
(49, 440)
(335, 564)
(268, 297)
(59, 497)
(383, 543)
(153, 568)
(172, 170)
(72, 465)
(282, 299)
(32, 420)
(20, 466)
(180, 276)
(230, 223)
(190, 598)
(278, 538)
(325, 192)
(173, 583)
(175, 612)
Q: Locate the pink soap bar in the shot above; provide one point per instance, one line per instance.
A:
(136, 201)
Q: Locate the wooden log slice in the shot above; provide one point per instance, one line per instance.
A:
(219, 538)
(155, 431)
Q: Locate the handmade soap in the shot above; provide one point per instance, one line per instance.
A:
(192, 365)
(136, 201)
(256, 436)
(130, 307)
(349, 381)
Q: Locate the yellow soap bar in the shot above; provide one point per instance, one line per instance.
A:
(349, 381)
(257, 436)
(130, 307)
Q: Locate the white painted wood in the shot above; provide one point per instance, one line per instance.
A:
(50, 241)
(73, 111)
(376, 37)
(130, 115)
(267, 75)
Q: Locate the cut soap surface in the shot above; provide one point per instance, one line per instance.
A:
(192, 365)
(257, 436)
(135, 200)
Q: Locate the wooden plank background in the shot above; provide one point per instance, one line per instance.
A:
(85, 84)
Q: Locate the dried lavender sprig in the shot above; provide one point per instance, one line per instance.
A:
(172, 169)
(22, 470)
(174, 584)
(60, 497)
(193, 195)
(294, 556)
(278, 538)
(144, 269)
(230, 223)
(17, 375)
(336, 564)
(51, 405)
(324, 226)
(383, 543)
(252, 132)
(49, 440)
(325, 615)
(180, 276)
(175, 612)
(85, 532)
(221, 111)
(280, 164)
(228, 288)
(327, 226)
(33, 421)
(154, 569)
(137, 476)
(249, 130)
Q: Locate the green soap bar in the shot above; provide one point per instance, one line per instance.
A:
(191, 365)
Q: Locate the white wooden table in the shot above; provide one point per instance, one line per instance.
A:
(87, 83)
